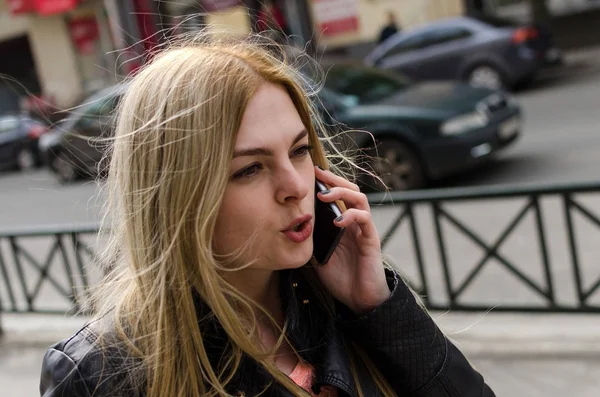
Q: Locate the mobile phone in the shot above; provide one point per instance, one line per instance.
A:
(326, 235)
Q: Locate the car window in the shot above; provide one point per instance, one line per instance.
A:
(102, 108)
(8, 124)
(364, 84)
(405, 46)
(446, 35)
(98, 112)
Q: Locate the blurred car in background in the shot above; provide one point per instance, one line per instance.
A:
(19, 141)
(76, 145)
(485, 52)
(418, 132)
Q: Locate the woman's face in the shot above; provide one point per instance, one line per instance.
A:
(269, 198)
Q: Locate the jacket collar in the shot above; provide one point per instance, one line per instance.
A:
(311, 330)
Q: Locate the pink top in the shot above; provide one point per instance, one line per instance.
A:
(303, 375)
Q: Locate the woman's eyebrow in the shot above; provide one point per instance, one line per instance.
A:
(261, 151)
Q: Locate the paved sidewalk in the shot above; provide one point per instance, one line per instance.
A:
(531, 355)
(519, 355)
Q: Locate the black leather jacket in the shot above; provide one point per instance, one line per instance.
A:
(399, 337)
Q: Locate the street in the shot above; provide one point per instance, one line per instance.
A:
(560, 143)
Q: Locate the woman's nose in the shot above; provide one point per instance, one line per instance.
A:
(292, 184)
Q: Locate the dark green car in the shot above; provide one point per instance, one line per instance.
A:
(420, 132)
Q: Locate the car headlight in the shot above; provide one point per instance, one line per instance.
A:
(464, 123)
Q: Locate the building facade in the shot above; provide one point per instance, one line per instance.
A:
(53, 50)
(332, 22)
(63, 50)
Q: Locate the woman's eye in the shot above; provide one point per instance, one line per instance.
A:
(302, 150)
(248, 172)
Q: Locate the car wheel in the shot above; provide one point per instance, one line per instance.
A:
(486, 76)
(63, 168)
(25, 159)
(395, 163)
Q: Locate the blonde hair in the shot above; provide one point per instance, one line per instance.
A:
(175, 131)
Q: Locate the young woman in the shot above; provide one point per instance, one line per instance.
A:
(212, 290)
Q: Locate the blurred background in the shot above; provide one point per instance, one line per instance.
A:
(485, 122)
(539, 56)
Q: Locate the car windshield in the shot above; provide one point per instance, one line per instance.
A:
(363, 84)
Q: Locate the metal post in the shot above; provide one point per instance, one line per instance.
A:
(106, 57)
(299, 17)
(126, 32)
(567, 208)
(437, 215)
(424, 292)
(544, 248)
(253, 11)
(9, 290)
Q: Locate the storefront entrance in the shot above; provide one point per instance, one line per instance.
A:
(18, 75)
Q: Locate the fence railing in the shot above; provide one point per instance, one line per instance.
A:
(464, 249)
(564, 283)
(47, 269)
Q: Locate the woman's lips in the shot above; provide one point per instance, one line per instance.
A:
(297, 221)
(300, 234)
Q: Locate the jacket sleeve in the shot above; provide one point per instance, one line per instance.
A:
(77, 366)
(410, 350)
(60, 376)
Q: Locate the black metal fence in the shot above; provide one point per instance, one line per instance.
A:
(564, 283)
(431, 237)
(47, 269)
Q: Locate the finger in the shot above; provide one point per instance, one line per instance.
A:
(331, 179)
(362, 219)
(351, 198)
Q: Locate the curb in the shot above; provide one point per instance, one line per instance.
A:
(478, 335)
(37, 330)
(521, 335)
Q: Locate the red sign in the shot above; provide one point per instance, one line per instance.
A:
(51, 7)
(84, 32)
(21, 6)
(336, 16)
(216, 5)
(345, 25)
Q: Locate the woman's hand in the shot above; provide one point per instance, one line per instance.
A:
(354, 274)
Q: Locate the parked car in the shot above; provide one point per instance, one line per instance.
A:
(75, 147)
(488, 52)
(420, 131)
(19, 141)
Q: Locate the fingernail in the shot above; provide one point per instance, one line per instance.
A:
(321, 168)
(327, 191)
(339, 218)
